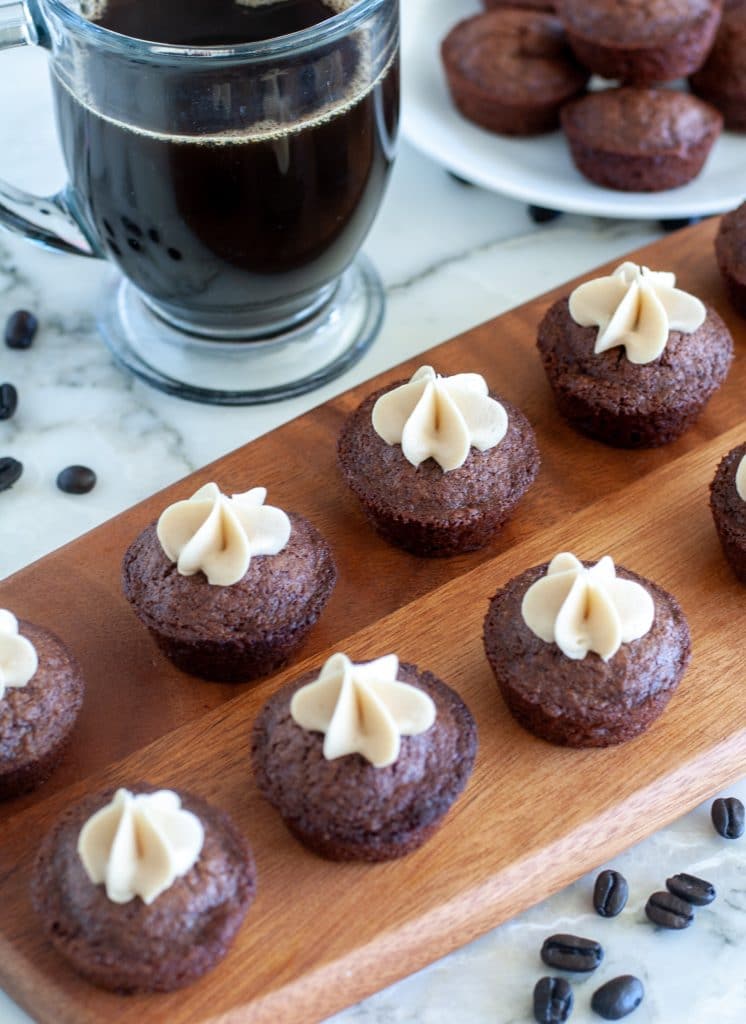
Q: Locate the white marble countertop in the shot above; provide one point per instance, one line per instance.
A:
(451, 256)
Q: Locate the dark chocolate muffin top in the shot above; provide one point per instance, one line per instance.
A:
(522, 55)
(690, 366)
(38, 716)
(726, 503)
(730, 244)
(134, 946)
(725, 68)
(380, 474)
(642, 22)
(276, 593)
(639, 122)
(590, 688)
(348, 798)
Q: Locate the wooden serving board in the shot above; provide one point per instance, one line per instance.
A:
(533, 818)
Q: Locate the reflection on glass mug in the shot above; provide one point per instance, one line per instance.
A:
(228, 156)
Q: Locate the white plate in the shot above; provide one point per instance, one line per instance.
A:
(536, 170)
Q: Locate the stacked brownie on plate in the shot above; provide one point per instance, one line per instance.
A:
(520, 71)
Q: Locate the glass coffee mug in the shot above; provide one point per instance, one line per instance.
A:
(231, 185)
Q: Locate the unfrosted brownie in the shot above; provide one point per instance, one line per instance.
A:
(641, 41)
(722, 78)
(640, 140)
(511, 70)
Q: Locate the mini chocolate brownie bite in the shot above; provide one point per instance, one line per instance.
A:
(160, 913)
(728, 506)
(511, 70)
(722, 78)
(631, 359)
(641, 41)
(352, 782)
(228, 587)
(41, 693)
(585, 656)
(437, 463)
(730, 251)
(640, 140)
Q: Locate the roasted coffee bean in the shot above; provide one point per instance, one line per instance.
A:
(571, 953)
(8, 401)
(10, 472)
(542, 214)
(553, 1001)
(610, 893)
(692, 889)
(669, 911)
(728, 817)
(676, 223)
(76, 480)
(20, 329)
(618, 997)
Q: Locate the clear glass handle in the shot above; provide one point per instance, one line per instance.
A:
(48, 221)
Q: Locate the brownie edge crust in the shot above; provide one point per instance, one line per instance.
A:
(346, 809)
(134, 947)
(590, 702)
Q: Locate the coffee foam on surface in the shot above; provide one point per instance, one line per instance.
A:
(262, 131)
(93, 10)
(335, 5)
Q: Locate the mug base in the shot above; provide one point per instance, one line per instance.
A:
(246, 372)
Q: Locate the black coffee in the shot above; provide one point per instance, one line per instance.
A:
(210, 219)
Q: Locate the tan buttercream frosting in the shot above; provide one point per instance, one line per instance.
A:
(584, 610)
(138, 845)
(741, 479)
(18, 658)
(440, 418)
(362, 709)
(637, 308)
(219, 536)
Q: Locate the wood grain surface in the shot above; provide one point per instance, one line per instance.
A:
(533, 818)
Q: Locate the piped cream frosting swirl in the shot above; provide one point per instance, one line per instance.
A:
(637, 308)
(138, 845)
(584, 610)
(741, 479)
(219, 536)
(18, 658)
(440, 418)
(362, 708)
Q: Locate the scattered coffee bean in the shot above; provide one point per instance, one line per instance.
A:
(610, 893)
(692, 889)
(553, 1001)
(459, 180)
(728, 817)
(8, 401)
(669, 911)
(676, 223)
(10, 472)
(618, 997)
(20, 329)
(571, 953)
(543, 215)
(76, 480)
